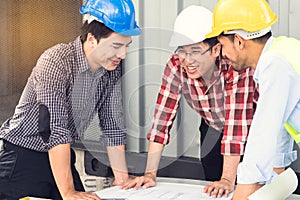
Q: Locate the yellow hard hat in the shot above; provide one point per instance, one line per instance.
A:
(248, 15)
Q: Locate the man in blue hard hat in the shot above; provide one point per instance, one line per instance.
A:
(69, 85)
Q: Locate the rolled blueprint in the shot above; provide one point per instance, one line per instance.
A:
(279, 189)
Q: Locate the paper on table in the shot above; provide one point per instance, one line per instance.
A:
(165, 191)
(280, 188)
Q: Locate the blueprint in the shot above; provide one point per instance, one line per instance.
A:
(162, 191)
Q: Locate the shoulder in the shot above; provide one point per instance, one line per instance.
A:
(173, 62)
(59, 55)
(56, 61)
(59, 51)
(272, 63)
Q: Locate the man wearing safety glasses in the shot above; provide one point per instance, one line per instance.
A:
(223, 98)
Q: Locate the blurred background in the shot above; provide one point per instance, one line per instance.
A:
(29, 27)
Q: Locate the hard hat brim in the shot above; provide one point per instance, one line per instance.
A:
(181, 40)
(191, 26)
(214, 33)
(132, 32)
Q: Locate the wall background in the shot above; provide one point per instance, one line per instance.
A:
(28, 27)
(145, 63)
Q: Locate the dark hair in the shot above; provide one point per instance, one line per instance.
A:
(211, 41)
(264, 38)
(229, 36)
(97, 29)
(261, 39)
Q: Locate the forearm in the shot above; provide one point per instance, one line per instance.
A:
(154, 154)
(60, 159)
(230, 166)
(116, 155)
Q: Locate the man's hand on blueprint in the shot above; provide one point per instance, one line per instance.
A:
(146, 181)
(219, 188)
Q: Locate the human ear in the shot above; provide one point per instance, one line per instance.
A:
(92, 42)
(239, 42)
(216, 50)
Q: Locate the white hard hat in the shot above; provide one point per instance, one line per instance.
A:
(191, 26)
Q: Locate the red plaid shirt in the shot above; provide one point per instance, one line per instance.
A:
(226, 104)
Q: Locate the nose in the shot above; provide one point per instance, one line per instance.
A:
(122, 52)
(189, 58)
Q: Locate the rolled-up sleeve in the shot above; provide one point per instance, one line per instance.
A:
(50, 82)
(167, 103)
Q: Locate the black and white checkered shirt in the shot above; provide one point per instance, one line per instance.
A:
(72, 94)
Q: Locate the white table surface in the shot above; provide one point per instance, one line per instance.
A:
(176, 182)
(190, 181)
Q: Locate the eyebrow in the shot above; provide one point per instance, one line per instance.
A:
(193, 48)
(121, 44)
(197, 48)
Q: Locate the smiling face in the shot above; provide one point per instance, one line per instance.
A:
(198, 59)
(108, 52)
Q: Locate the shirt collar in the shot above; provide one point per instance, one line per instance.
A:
(82, 61)
(266, 47)
(80, 56)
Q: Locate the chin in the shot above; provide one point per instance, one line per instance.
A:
(111, 67)
(239, 68)
(194, 76)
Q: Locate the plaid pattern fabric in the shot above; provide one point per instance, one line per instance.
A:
(73, 94)
(226, 104)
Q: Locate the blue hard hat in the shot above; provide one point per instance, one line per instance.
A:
(118, 15)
